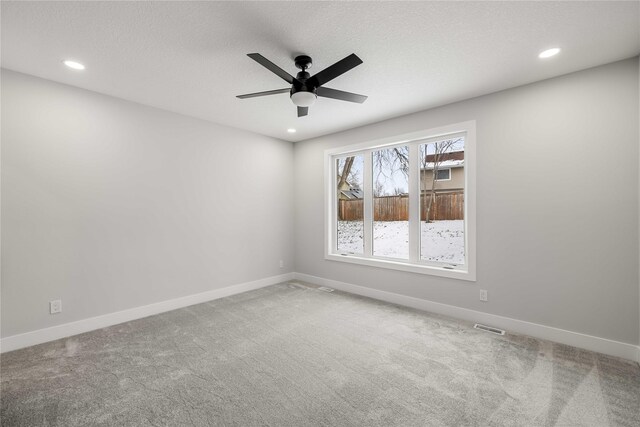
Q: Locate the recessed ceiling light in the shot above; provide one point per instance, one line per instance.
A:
(73, 64)
(291, 130)
(549, 52)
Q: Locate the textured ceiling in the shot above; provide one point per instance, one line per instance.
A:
(190, 57)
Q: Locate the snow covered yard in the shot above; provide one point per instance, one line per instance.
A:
(441, 241)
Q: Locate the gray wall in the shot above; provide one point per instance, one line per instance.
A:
(557, 243)
(110, 205)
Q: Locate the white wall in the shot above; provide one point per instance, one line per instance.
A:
(557, 233)
(111, 205)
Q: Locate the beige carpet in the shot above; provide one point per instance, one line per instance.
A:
(292, 355)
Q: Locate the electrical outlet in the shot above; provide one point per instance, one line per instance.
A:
(483, 295)
(281, 264)
(55, 306)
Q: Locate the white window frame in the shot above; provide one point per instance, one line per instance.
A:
(414, 264)
(443, 179)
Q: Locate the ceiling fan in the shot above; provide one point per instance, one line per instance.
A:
(306, 88)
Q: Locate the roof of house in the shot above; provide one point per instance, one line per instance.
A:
(352, 193)
(447, 160)
(445, 164)
(454, 155)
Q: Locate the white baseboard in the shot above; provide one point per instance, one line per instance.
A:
(601, 345)
(40, 336)
(576, 339)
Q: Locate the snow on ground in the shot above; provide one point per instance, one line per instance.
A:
(441, 241)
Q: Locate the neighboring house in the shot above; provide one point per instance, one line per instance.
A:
(348, 192)
(346, 209)
(450, 173)
(351, 194)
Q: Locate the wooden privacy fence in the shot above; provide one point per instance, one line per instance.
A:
(445, 206)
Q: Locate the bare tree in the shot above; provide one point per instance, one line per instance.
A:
(354, 179)
(346, 170)
(378, 189)
(391, 160)
(386, 163)
(440, 148)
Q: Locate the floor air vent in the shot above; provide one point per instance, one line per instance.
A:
(325, 289)
(489, 329)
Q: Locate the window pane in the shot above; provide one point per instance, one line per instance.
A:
(391, 202)
(442, 201)
(350, 232)
(443, 174)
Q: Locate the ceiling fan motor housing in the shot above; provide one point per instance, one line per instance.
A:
(301, 84)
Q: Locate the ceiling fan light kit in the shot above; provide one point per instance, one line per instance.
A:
(303, 98)
(305, 88)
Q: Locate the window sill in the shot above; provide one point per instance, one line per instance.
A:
(405, 266)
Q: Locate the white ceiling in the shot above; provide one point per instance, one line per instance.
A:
(190, 57)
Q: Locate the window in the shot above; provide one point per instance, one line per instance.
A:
(405, 203)
(350, 229)
(390, 186)
(443, 175)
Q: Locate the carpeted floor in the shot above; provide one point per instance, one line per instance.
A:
(292, 355)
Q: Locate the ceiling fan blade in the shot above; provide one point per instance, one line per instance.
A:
(303, 111)
(265, 93)
(272, 67)
(341, 95)
(334, 70)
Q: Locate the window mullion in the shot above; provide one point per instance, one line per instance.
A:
(414, 202)
(367, 181)
(332, 237)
